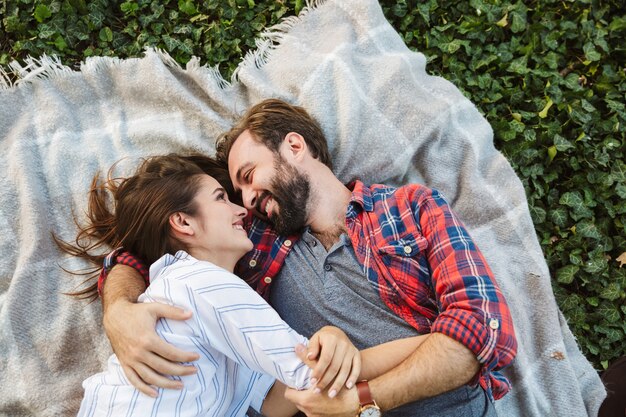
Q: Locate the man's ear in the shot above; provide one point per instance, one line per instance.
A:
(295, 146)
(181, 225)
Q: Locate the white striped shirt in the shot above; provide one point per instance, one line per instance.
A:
(243, 345)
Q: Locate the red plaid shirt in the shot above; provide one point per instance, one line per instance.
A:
(425, 266)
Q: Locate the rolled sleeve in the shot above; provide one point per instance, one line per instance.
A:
(493, 348)
(472, 308)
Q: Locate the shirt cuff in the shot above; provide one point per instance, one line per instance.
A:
(119, 256)
(478, 336)
(261, 387)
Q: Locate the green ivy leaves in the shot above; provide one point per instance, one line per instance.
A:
(549, 76)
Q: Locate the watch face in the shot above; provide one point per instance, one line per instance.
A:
(370, 412)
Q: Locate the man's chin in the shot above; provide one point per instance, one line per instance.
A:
(285, 228)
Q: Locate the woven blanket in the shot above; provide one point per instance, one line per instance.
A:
(386, 119)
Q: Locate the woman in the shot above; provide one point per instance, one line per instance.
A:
(179, 219)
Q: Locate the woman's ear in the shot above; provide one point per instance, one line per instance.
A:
(181, 224)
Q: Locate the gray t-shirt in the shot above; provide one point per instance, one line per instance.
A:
(316, 288)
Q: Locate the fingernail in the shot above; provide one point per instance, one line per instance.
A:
(310, 355)
(317, 390)
(332, 393)
(313, 381)
(349, 384)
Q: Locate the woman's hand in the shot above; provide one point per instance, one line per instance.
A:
(333, 358)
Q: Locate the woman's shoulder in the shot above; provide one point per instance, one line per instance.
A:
(184, 270)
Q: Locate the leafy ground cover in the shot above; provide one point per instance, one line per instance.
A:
(549, 76)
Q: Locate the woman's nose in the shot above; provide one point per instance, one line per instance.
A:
(239, 211)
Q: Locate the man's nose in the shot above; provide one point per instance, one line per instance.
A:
(248, 198)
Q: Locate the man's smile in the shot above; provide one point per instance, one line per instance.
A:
(263, 203)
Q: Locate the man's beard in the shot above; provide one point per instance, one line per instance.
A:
(291, 193)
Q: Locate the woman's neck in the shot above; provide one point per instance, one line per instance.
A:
(226, 261)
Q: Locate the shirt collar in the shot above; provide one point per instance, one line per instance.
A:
(361, 195)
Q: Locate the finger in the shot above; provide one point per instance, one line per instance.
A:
(149, 376)
(314, 347)
(296, 397)
(169, 312)
(291, 395)
(301, 352)
(341, 378)
(165, 367)
(170, 352)
(138, 383)
(355, 371)
(327, 367)
(325, 358)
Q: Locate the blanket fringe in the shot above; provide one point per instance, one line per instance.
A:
(34, 68)
(50, 66)
(193, 67)
(271, 38)
(5, 79)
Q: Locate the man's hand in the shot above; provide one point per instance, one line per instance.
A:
(345, 404)
(333, 358)
(144, 356)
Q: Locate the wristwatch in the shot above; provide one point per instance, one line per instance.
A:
(367, 405)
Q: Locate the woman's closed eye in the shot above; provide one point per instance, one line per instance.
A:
(221, 196)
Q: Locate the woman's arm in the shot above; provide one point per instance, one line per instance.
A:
(375, 361)
(233, 319)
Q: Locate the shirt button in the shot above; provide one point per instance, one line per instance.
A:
(287, 242)
(268, 280)
(252, 263)
(407, 249)
(494, 324)
(328, 267)
(314, 243)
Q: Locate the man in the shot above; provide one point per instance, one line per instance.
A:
(378, 262)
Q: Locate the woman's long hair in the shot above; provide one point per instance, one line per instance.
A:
(134, 212)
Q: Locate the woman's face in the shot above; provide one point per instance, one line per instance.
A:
(219, 222)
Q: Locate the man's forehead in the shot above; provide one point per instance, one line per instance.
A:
(247, 150)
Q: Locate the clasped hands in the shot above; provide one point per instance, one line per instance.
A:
(146, 359)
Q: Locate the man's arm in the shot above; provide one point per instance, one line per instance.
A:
(473, 332)
(130, 328)
(438, 364)
(375, 361)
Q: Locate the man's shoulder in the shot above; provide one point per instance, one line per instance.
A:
(412, 192)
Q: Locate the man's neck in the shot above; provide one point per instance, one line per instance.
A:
(328, 211)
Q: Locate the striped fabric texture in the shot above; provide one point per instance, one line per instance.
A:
(243, 345)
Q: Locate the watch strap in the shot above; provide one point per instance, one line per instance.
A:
(364, 393)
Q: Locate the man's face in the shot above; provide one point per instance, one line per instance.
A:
(270, 186)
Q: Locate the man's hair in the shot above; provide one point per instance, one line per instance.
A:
(269, 122)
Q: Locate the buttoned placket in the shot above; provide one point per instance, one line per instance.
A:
(324, 259)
